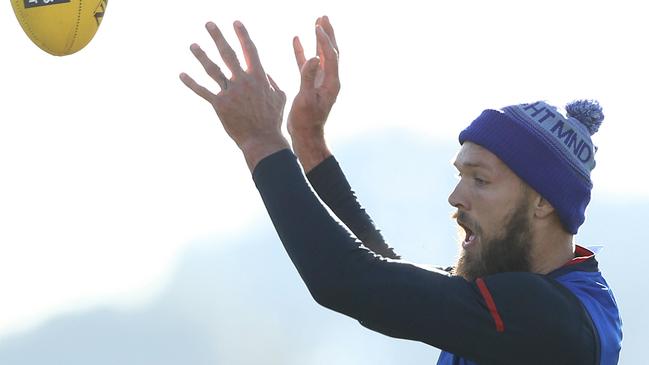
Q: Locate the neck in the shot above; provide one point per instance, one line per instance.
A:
(552, 249)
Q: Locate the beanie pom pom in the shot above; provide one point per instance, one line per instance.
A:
(588, 112)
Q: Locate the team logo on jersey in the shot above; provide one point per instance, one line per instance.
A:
(35, 3)
(100, 10)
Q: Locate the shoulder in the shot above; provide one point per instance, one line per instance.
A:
(597, 298)
(539, 316)
(538, 300)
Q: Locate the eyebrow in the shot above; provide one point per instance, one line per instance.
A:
(468, 164)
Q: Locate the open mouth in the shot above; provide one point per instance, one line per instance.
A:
(469, 238)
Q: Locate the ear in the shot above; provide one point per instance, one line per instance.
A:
(542, 207)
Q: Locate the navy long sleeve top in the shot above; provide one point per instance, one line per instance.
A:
(507, 318)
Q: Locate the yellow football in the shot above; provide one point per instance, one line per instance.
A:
(60, 27)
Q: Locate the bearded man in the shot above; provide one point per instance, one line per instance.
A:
(522, 292)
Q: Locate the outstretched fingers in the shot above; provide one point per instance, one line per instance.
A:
(330, 57)
(200, 90)
(299, 52)
(326, 25)
(210, 67)
(249, 50)
(318, 48)
(227, 53)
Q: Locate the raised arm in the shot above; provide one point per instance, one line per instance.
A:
(395, 298)
(328, 180)
(319, 87)
(486, 321)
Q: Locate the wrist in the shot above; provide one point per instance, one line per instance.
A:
(310, 150)
(258, 148)
(309, 132)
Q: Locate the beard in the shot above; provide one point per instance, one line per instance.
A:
(509, 252)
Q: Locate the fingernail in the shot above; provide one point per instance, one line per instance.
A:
(238, 24)
(210, 26)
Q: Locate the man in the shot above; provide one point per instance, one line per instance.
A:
(521, 293)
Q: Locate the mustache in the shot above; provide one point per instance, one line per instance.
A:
(463, 218)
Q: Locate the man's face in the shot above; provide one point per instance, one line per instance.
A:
(494, 211)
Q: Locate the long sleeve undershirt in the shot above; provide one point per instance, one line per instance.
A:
(331, 185)
(543, 322)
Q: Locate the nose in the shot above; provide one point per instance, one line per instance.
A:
(457, 198)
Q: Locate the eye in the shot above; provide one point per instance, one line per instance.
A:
(479, 181)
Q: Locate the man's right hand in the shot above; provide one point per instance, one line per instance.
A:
(319, 88)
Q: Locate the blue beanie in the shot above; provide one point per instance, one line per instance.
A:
(550, 152)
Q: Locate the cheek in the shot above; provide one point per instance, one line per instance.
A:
(491, 213)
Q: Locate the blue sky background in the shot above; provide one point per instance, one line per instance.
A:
(127, 217)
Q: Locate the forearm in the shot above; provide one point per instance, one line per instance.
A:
(310, 147)
(331, 185)
(338, 272)
(316, 244)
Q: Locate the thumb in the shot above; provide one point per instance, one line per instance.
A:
(308, 72)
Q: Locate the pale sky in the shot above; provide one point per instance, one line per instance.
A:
(110, 166)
